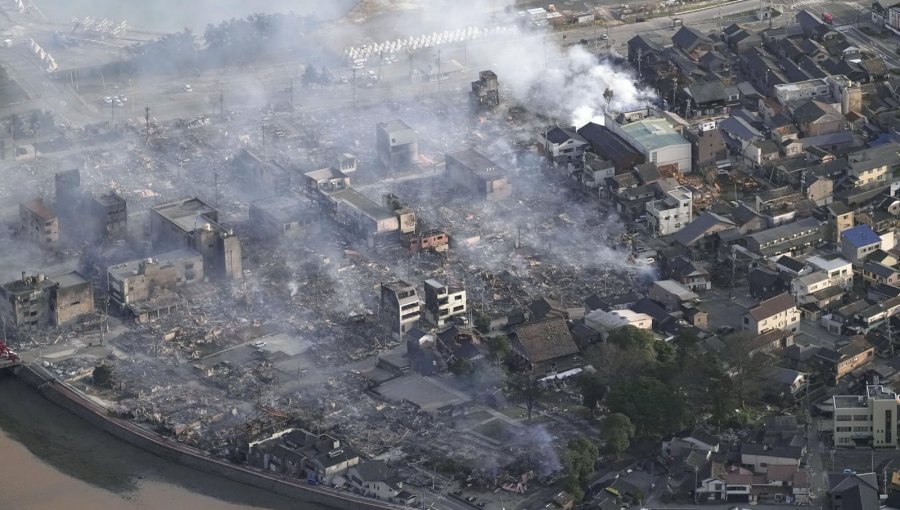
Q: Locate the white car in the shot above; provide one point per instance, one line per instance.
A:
(107, 100)
(123, 99)
(258, 344)
(188, 88)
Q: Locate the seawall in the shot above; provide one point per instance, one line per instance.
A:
(72, 401)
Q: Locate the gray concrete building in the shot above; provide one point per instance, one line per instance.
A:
(400, 307)
(39, 223)
(479, 175)
(442, 302)
(192, 223)
(397, 144)
(145, 279)
(284, 217)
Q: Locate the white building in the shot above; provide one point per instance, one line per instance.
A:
(840, 271)
(442, 303)
(671, 213)
(866, 419)
(603, 322)
(657, 141)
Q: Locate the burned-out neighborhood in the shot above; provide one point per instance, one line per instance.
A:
(502, 255)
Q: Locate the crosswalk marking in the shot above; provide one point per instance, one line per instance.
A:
(843, 28)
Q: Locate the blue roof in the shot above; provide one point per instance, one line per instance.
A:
(860, 235)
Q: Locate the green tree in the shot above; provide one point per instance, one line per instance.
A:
(614, 363)
(746, 368)
(666, 353)
(617, 431)
(651, 405)
(593, 389)
(631, 338)
(499, 347)
(527, 388)
(462, 367)
(579, 459)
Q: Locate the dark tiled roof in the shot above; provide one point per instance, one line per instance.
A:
(770, 307)
(791, 263)
(545, 340)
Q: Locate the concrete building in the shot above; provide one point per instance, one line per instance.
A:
(672, 212)
(840, 218)
(35, 302)
(779, 312)
(840, 271)
(267, 177)
(352, 210)
(603, 321)
(486, 91)
(864, 420)
(191, 223)
(708, 149)
(39, 223)
(657, 141)
(400, 307)
(479, 175)
(281, 217)
(859, 242)
(397, 144)
(146, 279)
(110, 216)
(71, 297)
(442, 303)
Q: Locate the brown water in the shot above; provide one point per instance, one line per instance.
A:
(50, 459)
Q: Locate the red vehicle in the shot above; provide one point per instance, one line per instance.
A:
(7, 354)
(828, 18)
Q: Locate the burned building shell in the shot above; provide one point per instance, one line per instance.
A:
(191, 223)
(479, 175)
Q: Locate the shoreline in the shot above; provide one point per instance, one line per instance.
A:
(72, 401)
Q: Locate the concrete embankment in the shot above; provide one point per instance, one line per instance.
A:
(74, 402)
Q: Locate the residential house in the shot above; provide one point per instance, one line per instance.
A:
(603, 321)
(546, 346)
(765, 284)
(851, 491)
(877, 273)
(741, 39)
(671, 294)
(848, 358)
(373, 478)
(792, 266)
(299, 453)
(657, 141)
(787, 381)
(770, 341)
(699, 235)
(760, 457)
(692, 41)
(858, 242)
(791, 238)
(710, 98)
(840, 271)
(611, 147)
(564, 147)
(690, 274)
(874, 166)
(779, 312)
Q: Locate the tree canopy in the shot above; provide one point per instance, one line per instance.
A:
(617, 431)
(579, 459)
(651, 405)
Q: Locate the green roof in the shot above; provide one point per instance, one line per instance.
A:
(653, 134)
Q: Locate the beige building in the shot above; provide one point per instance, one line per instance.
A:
(141, 280)
(870, 419)
(38, 223)
(400, 307)
(779, 312)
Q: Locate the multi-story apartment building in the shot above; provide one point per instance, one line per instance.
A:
(400, 307)
(672, 212)
(38, 223)
(442, 303)
(869, 419)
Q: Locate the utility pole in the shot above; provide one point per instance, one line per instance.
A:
(292, 94)
(112, 111)
(439, 70)
(147, 118)
(216, 186)
(354, 80)
(222, 103)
